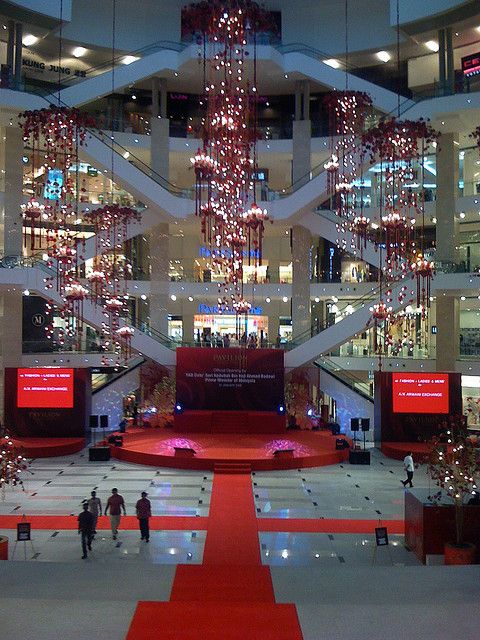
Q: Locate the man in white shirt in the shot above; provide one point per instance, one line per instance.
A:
(408, 466)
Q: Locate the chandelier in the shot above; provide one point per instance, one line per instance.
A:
(232, 224)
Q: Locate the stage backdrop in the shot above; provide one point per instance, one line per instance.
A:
(230, 379)
(46, 406)
(412, 407)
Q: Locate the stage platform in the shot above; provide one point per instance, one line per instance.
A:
(398, 450)
(156, 447)
(48, 447)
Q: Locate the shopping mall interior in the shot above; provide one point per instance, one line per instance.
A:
(240, 272)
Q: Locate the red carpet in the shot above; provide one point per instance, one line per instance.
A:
(155, 447)
(398, 450)
(331, 525)
(157, 523)
(230, 596)
(214, 621)
(49, 447)
(232, 524)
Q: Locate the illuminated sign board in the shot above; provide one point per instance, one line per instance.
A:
(206, 309)
(471, 65)
(204, 252)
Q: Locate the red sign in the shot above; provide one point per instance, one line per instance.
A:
(45, 388)
(471, 65)
(420, 392)
(232, 379)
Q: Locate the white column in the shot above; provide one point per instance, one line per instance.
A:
(12, 218)
(447, 187)
(159, 257)
(301, 245)
(448, 332)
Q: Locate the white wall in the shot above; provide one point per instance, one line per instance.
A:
(349, 404)
(413, 10)
(49, 8)
(138, 24)
(109, 401)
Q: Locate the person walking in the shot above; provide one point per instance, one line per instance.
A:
(115, 504)
(95, 508)
(409, 468)
(144, 512)
(85, 529)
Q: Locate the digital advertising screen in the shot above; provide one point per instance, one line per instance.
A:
(230, 379)
(420, 393)
(43, 388)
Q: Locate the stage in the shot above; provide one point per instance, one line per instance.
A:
(398, 450)
(48, 447)
(223, 451)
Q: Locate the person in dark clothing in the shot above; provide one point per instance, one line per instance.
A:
(144, 512)
(85, 528)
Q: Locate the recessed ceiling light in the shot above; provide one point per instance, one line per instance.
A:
(384, 56)
(173, 297)
(134, 97)
(190, 298)
(285, 299)
(432, 45)
(332, 62)
(78, 52)
(267, 299)
(462, 214)
(29, 39)
(129, 59)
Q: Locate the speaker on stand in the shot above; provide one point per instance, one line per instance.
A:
(354, 428)
(104, 425)
(365, 424)
(93, 426)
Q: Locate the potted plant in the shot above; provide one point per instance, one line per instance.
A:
(452, 465)
(163, 399)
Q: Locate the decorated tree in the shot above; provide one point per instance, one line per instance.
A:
(453, 466)
(12, 463)
(163, 399)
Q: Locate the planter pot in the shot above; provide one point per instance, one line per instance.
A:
(460, 553)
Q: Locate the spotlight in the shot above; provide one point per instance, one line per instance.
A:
(281, 409)
(310, 413)
(178, 408)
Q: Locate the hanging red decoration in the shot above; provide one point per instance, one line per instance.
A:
(12, 463)
(225, 168)
(423, 271)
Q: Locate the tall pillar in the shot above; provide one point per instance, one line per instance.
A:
(159, 257)
(12, 217)
(18, 54)
(11, 51)
(447, 187)
(450, 66)
(187, 327)
(470, 168)
(301, 245)
(448, 332)
(160, 128)
(11, 313)
(302, 134)
(442, 75)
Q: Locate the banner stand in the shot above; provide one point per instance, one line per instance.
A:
(24, 531)
(381, 540)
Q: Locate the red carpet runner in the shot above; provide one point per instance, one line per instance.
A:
(230, 596)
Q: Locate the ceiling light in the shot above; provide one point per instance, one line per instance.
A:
(384, 56)
(332, 62)
(29, 39)
(126, 154)
(173, 297)
(78, 52)
(462, 214)
(134, 97)
(462, 298)
(267, 299)
(317, 299)
(190, 298)
(129, 59)
(285, 299)
(432, 45)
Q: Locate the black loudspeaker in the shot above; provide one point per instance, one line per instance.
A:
(103, 422)
(99, 454)
(93, 422)
(359, 457)
(335, 428)
(354, 424)
(341, 443)
(365, 424)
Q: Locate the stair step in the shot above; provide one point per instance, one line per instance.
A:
(232, 467)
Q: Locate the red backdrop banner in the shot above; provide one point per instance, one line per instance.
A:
(41, 388)
(230, 379)
(420, 392)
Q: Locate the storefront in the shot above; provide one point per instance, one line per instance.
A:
(231, 325)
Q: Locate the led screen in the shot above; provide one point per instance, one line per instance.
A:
(420, 393)
(45, 388)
